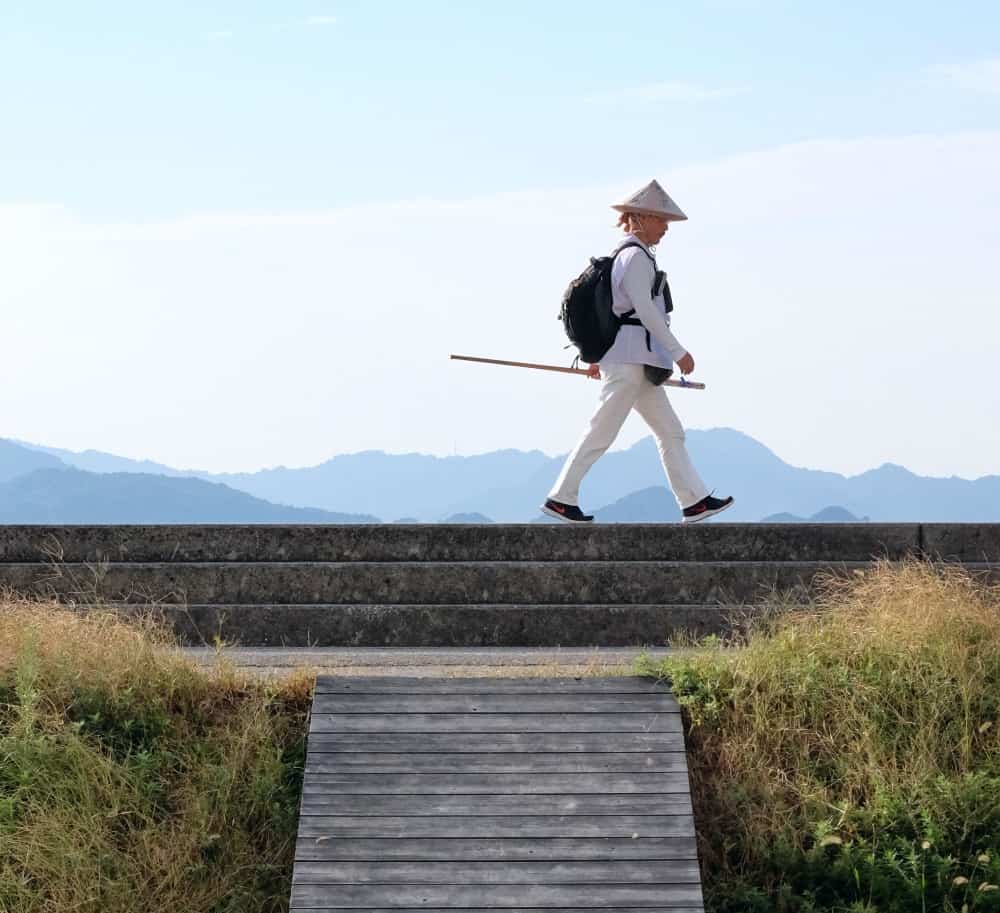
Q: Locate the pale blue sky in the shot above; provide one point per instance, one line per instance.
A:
(143, 110)
(235, 235)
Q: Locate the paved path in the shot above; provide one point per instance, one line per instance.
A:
(447, 661)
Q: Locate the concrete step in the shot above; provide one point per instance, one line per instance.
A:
(524, 542)
(439, 625)
(461, 586)
(453, 583)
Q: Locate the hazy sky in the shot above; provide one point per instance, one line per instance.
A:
(237, 235)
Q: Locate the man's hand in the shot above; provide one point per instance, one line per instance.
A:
(686, 364)
(594, 372)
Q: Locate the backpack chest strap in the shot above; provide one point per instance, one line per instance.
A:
(628, 320)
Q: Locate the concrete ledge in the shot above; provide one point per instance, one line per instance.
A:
(368, 583)
(445, 625)
(961, 541)
(525, 542)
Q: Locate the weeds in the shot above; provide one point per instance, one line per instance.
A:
(847, 758)
(131, 779)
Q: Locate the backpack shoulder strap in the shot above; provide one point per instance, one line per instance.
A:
(629, 244)
(629, 318)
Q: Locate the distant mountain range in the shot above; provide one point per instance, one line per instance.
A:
(503, 486)
(16, 460)
(372, 482)
(826, 515)
(71, 495)
(467, 518)
(648, 505)
(657, 505)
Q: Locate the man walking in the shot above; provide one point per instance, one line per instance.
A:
(633, 369)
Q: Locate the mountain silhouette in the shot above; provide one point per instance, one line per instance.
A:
(650, 505)
(98, 461)
(467, 518)
(509, 486)
(16, 460)
(71, 495)
(729, 461)
(831, 514)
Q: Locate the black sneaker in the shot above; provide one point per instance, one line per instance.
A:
(705, 508)
(568, 512)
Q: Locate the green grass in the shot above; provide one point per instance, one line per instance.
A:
(849, 759)
(133, 780)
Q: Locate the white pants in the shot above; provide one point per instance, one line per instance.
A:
(626, 388)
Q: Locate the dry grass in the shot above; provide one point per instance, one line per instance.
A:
(131, 779)
(839, 742)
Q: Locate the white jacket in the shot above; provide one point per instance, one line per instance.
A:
(631, 288)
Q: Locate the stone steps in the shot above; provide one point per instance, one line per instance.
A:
(614, 585)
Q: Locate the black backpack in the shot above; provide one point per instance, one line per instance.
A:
(586, 311)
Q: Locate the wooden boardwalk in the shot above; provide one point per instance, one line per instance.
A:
(485, 794)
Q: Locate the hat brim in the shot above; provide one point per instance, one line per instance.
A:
(669, 216)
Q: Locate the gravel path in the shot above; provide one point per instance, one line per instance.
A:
(444, 661)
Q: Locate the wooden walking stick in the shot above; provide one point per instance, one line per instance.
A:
(686, 384)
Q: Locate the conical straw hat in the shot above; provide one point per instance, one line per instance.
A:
(652, 200)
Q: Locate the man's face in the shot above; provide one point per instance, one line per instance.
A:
(656, 227)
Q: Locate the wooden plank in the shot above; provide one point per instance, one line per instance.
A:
(490, 806)
(624, 684)
(451, 896)
(523, 826)
(462, 783)
(494, 703)
(509, 795)
(529, 872)
(497, 763)
(389, 849)
(561, 743)
(495, 722)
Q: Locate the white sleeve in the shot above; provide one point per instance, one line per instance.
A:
(637, 284)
